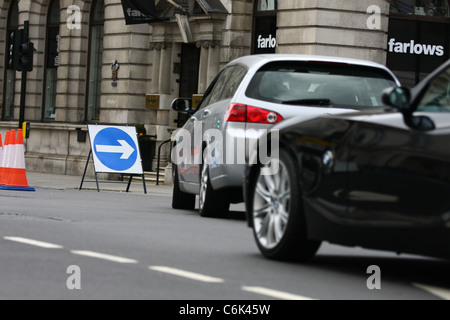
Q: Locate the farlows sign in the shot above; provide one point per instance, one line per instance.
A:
(265, 34)
(138, 11)
(269, 42)
(417, 46)
(412, 47)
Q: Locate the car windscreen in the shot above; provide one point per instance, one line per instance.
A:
(320, 83)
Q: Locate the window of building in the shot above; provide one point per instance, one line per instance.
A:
(10, 75)
(51, 61)
(426, 8)
(266, 5)
(94, 85)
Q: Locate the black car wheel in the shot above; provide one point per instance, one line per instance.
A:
(212, 203)
(279, 224)
(181, 200)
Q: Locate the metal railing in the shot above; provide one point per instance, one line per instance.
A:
(159, 159)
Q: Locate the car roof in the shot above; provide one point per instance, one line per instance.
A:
(259, 60)
(251, 60)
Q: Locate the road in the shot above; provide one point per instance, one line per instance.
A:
(134, 246)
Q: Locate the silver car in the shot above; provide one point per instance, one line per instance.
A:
(250, 95)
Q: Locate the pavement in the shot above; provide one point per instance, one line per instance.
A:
(64, 182)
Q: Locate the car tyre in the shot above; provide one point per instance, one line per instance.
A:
(212, 203)
(181, 200)
(279, 224)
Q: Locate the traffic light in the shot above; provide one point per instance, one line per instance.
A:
(26, 52)
(20, 52)
(15, 41)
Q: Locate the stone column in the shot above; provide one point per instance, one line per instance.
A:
(203, 71)
(209, 63)
(72, 69)
(124, 103)
(334, 28)
(166, 98)
(165, 68)
(213, 61)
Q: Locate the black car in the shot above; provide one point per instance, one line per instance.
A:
(378, 179)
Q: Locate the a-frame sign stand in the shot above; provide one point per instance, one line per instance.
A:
(114, 150)
(97, 181)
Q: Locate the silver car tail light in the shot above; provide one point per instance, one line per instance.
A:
(243, 113)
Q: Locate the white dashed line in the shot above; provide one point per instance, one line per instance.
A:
(439, 292)
(275, 294)
(103, 256)
(186, 274)
(35, 243)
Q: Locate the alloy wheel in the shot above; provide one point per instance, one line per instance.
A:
(271, 207)
(203, 186)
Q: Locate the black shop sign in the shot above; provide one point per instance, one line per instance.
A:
(417, 46)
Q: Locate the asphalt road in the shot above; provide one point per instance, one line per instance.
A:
(113, 245)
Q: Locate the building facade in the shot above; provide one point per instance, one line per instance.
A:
(91, 67)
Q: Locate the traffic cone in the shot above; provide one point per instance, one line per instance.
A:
(3, 164)
(17, 177)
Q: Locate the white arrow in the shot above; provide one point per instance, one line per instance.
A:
(125, 149)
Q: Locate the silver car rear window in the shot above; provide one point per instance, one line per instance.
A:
(320, 83)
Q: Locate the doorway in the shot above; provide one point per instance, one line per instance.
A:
(190, 65)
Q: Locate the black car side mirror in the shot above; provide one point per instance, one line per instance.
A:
(400, 99)
(421, 123)
(397, 97)
(182, 105)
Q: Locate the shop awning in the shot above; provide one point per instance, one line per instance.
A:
(139, 11)
(146, 11)
(212, 6)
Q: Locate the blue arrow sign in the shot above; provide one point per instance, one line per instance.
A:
(116, 149)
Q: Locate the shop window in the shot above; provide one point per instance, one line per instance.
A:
(94, 85)
(10, 75)
(51, 62)
(426, 8)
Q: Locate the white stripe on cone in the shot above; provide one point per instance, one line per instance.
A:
(19, 159)
(11, 152)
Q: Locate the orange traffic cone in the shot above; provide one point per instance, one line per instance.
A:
(1, 156)
(17, 177)
(3, 164)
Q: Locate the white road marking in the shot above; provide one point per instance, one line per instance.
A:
(186, 274)
(35, 243)
(103, 256)
(439, 292)
(275, 294)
